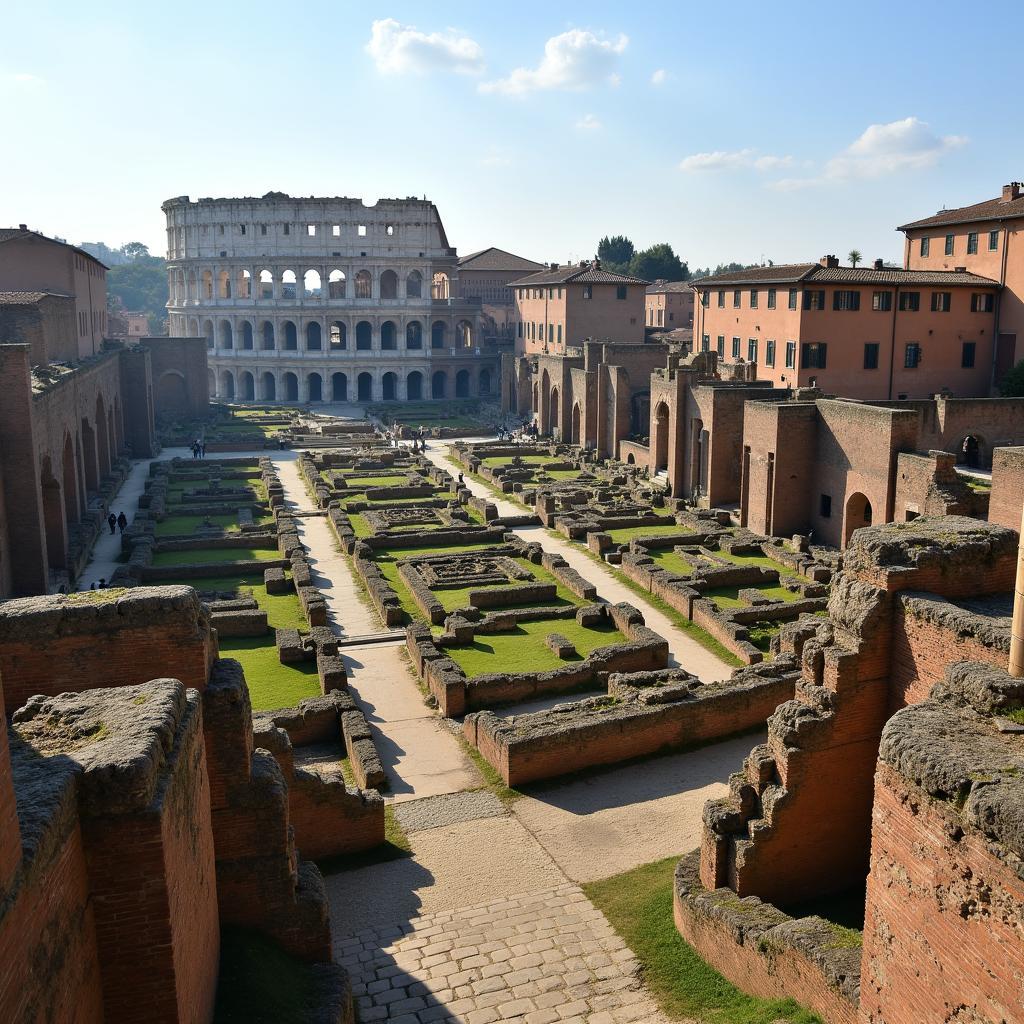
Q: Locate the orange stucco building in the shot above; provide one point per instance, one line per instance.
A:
(669, 305)
(986, 238)
(31, 262)
(567, 305)
(875, 333)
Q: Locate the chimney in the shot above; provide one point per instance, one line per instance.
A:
(879, 264)
(1011, 192)
(828, 261)
(23, 227)
(596, 264)
(554, 266)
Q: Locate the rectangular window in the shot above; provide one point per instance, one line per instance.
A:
(559, 334)
(361, 231)
(993, 241)
(661, 318)
(814, 355)
(705, 298)
(912, 355)
(588, 291)
(551, 294)
(705, 343)
(769, 353)
(825, 506)
(846, 300)
(336, 230)
(871, 355)
(972, 243)
(792, 298)
(752, 350)
(967, 356)
(949, 245)
(721, 299)
(720, 344)
(311, 230)
(814, 299)
(982, 302)
(925, 245)
(736, 299)
(790, 355)
(520, 326)
(735, 348)
(771, 298)
(287, 229)
(243, 229)
(620, 291)
(551, 333)
(941, 302)
(753, 298)
(910, 302)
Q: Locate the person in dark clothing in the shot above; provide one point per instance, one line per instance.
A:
(202, 450)
(122, 522)
(112, 522)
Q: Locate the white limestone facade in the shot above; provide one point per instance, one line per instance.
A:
(324, 299)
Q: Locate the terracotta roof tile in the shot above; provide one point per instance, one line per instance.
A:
(498, 259)
(586, 274)
(990, 209)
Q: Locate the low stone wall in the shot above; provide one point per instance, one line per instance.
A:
(644, 714)
(765, 952)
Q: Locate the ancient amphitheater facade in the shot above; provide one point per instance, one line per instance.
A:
(324, 299)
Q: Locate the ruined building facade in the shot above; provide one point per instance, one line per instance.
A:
(324, 299)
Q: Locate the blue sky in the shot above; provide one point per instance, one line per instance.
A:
(762, 131)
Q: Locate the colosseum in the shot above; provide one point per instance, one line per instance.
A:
(324, 300)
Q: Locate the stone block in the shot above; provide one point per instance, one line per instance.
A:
(289, 646)
(275, 581)
(561, 646)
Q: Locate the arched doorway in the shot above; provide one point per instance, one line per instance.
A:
(268, 387)
(858, 514)
(971, 452)
(659, 440)
(315, 383)
(247, 387)
(553, 421)
(227, 336)
(388, 336)
(575, 436)
(438, 384)
(364, 387)
(630, 459)
(227, 385)
(267, 335)
(485, 382)
(291, 387)
(339, 387)
(462, 384)
(102, 440)
(172, 392)
(438, 334)
(53, 516)
(314, 338)
(414, 335)
(247, 334)
(389, 384)
(364, 335)
(69, 482)
(414, 386)
(389, 285)
(291, 336)
(640, 414)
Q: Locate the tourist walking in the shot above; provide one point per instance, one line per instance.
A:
(122, 522)
(112, 522)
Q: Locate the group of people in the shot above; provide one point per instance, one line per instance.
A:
(119, 521)
(527, 431)
(198, 449)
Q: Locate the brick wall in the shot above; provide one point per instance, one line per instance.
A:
(179, 373)
(1007, 497)
(942, 936)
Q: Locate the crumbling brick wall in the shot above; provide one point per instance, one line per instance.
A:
(1007, 498)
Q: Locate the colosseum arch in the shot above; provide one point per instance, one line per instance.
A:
(268, 387)
(291, 336)
(315, 387)
(311, 285)
(462, 384)
(485, 382)
(246, 386)
(224, 285)
(438, 334)
(440, 287)
(266, 285)
(247, 335)
(389, 387)
(227, 385)
(338, 336)
(438, 384)
(364, 387)
(364, 285)
(339, 387)
(389, 285)
(290, 382)
(192, 292)
(243, 284)
(364, 335)
(207, 286)
(208, 333)
(227, 334)
(388, 336)
(464, 334)
(266, 335)
(414, 285)
(336, 285)
(288, 285)
(211, 383)
(314, 336)
(414, 335)
(414, 386)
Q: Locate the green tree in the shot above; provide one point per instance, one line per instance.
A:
(135, 251)
(141, 287)
(615, 252)
(659, 262)
(854, 257)
(1012, 384)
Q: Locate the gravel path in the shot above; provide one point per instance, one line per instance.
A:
(448, 809)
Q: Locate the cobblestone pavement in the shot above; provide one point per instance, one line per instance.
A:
(539, 958)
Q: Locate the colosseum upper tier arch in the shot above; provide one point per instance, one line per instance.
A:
(289, 292)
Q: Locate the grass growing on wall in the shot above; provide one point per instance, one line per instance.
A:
(638, 903)
(271, 684)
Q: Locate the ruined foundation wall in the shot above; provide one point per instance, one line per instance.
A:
(1007, 496)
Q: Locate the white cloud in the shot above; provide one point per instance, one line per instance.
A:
(659, 77)
(577, 59)
(400, 49)
(589, 123)
(738, 159)
(880, 150)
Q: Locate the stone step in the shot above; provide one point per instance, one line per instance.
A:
(392, 636)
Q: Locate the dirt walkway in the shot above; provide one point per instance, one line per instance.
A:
(684, 651)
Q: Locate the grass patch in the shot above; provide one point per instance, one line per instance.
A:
(526, 460)
(204, 556)
(523, 649)
(376, 481)
(668, 559)
(638, 904)
(259, 983)
(271, 684)
(493, 782)
(763, 561)
(729, 597)
(360, 527)
(185, 526)
(1015, 716)
(761, 636)
(628, 533)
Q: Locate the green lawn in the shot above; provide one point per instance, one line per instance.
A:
(523, 649)
(271, 684)
(638, 904)
(283, 610)
(759, 560)
(668, 559)
(728, 597)
(184, 526)
(202, 556)
(459, 597)
(437, 549)
(360, 527)
(376, 481)
(630, 532)
(528, 460)
(561, 474)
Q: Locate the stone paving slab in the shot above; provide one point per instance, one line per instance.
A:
(448, 809)
(540, 958)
